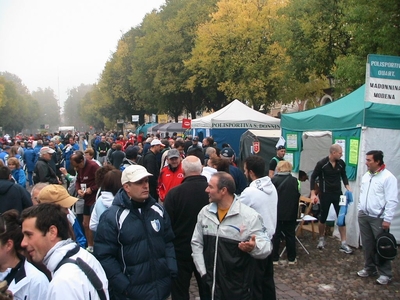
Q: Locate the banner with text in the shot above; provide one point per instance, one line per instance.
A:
(382, 83)
(186, 123)
(162, 119)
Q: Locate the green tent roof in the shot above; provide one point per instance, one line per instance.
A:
(345, 113)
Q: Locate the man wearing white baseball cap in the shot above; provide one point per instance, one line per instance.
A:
(134, 236)
(152, 164)
(43, 171)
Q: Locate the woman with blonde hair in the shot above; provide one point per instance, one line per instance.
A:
(16, 171)
(288, 204)
(14, 153)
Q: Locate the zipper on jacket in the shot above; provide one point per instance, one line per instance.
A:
(366, 198)
(323, 176)
(215, 264)
(119, 242)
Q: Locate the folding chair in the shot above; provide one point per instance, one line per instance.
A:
(304, 217)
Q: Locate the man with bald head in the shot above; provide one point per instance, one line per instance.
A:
(330, 170)
(183, 203)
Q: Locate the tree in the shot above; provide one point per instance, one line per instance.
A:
(159, 73)
(18, 110)
(373, 25)
(235, 53)
(11, 103)
(90, 108)
(72, 115)
(115, 83)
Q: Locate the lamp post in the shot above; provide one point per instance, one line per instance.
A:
(331, 84)
(329, 91)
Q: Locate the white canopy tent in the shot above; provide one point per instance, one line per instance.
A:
(237, 115)
(230, 122)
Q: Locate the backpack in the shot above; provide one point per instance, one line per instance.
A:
(386, 246)
(126, 163)
(89, 272)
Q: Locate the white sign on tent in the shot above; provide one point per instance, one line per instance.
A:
(383, 79)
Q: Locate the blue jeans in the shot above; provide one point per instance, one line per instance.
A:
(30, 178)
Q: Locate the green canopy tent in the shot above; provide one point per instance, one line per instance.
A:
(359, 125)
(348, 112)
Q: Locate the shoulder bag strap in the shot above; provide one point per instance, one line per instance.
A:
(89, 272)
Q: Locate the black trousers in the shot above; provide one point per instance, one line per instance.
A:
(264, 284)
(181, 284)
(288, 228)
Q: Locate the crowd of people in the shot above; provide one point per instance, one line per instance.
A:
(107, 216)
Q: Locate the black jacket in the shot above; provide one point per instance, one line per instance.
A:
(183, 203)
(329, 177)
(116, 158)
(138, 257)
(13, 196)
(44, 172)
(288, 196)
(152, 166)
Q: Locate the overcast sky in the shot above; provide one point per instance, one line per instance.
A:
(61, 44)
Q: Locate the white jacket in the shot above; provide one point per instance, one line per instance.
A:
(69, 281)
(378, 195)
(102, 203)
(208, 172)
(33, 285)
(261, 195)
(240, 223)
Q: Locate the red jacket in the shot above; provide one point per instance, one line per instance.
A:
(86, 176)
(169, 179)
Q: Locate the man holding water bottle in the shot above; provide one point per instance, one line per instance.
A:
(86, 188)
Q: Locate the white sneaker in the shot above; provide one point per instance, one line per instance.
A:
(366, 273)
(321, 243)
(383, 279)
(346, 249)
(294, 262)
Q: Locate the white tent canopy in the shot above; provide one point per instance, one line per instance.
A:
(237, 115)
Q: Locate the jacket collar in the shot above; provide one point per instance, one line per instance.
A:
(233, 210)
(122, 199)
(195, 178)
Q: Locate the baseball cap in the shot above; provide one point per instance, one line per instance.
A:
(131, 152)
(227, 152)
(156, 142)
(173, 153)
(134, 173)
(45, 150)
(280, 147)
(55, 193)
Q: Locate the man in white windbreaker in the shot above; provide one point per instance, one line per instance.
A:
(46, 238)
(376, 208)
(227, 238)
(261, 195)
